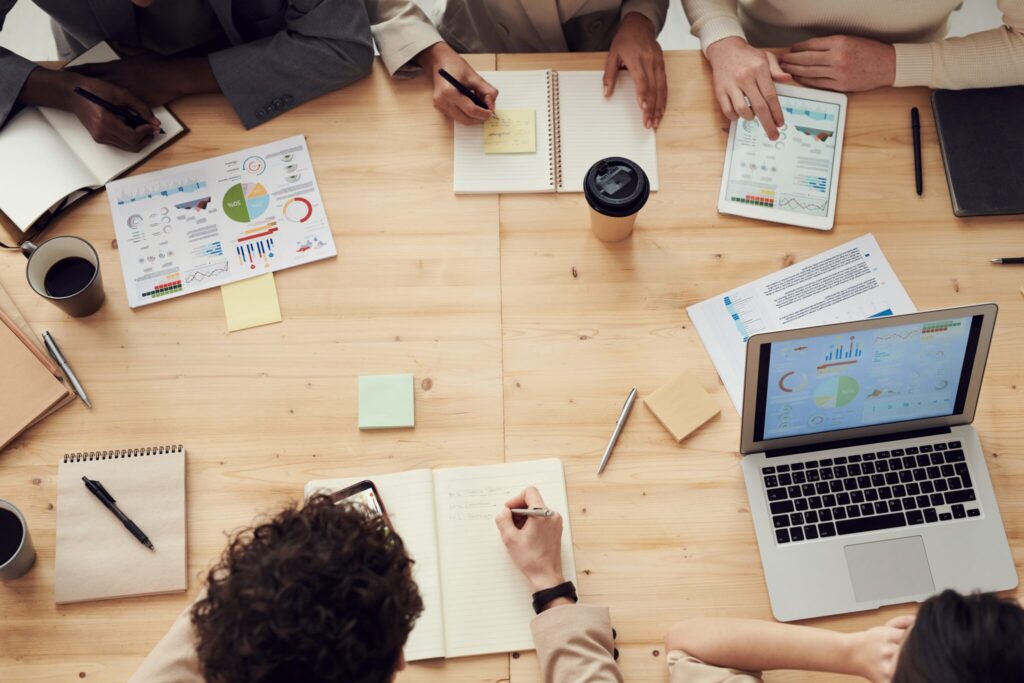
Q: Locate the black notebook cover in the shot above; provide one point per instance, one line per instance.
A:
(982, 148)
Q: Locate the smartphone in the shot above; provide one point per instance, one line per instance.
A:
(364, 494)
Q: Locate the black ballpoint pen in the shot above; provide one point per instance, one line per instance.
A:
(466, 92)
(129, 117)
(1014, 260)
(96, 489)
(915, 127)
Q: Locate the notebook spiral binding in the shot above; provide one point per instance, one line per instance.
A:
(554, 119)
(123, 453)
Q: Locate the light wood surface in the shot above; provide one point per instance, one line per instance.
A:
(524, 334)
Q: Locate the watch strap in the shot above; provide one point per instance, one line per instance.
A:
(562, 590)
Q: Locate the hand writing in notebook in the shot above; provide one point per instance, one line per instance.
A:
(447, 99)
(50, 88)
(533, 543)
(635, 48)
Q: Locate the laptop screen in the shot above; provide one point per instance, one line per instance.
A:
(877, 376)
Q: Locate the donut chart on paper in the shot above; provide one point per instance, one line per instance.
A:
(246, 202)
(298, 209)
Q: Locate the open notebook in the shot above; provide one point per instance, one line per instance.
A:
(576, 126)
(47, 155)
(97, 557)
(475, 600)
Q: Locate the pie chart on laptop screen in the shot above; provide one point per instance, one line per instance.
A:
(246, 202)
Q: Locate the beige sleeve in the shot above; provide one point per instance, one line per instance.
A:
(981, 60)
(574, 643)
(401, 30)
(712, 20)
(174, 659)
(655, 10)
(683, 668)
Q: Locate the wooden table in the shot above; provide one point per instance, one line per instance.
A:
(524, 334)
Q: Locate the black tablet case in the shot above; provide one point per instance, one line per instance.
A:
(982, 144)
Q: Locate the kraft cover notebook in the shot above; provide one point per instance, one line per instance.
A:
(983, 165)
(31, 381)
(49, 161)
(97, 557)
(475, 600)
(575, 126)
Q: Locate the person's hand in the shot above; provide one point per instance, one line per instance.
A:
(155, 79)
(447, 99)
(874, 652)
(533, 543)
(635, 47)
(107, 128)
(844, 63)
(744, 81)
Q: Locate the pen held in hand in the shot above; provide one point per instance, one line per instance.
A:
(466, 92)
(532, 512)
(128, 117)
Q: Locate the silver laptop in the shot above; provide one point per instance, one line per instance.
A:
(867, 483)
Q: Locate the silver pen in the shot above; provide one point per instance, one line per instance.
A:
(54, 351)
(532, 512)
(618, 429)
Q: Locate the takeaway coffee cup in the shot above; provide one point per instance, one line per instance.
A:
(616, 189)
(65, 270)
(17, 555)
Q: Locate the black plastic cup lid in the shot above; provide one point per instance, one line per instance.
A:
(616, 187)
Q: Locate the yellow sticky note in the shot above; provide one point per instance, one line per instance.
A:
(251, 302)
(682, 406)
(514, 131)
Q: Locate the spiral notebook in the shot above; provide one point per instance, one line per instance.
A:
(576, 125)
(97, 557)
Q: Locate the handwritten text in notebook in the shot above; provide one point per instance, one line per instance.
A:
(513, 132)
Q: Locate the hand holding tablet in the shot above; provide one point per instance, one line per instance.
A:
(792, 179)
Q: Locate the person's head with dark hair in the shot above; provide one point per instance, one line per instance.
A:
(963, 639)
(318, 594)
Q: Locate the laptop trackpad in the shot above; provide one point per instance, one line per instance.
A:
(883, 570)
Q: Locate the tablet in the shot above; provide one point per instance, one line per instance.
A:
(792, 180)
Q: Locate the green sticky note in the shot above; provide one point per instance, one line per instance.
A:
(385, 402)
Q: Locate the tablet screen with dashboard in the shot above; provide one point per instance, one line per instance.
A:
(793, 179)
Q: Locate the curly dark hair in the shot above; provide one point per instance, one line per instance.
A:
(319, 594)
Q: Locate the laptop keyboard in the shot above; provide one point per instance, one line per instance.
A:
(856, 493)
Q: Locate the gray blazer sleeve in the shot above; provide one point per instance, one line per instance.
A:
(14, 70)
(325, 45)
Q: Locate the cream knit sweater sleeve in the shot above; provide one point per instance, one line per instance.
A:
(985, 59)
(981, 60)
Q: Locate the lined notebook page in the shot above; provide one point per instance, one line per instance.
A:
(408, 498)
(594, 127)
(97, 557)
(487, 601)
(476, 172)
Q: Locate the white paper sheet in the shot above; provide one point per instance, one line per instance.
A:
(853, 281)
(224, 219)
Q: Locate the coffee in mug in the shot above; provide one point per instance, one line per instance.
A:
(17, 555)
(65, 270)
(616, 189)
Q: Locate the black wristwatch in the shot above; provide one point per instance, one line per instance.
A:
(541, 599)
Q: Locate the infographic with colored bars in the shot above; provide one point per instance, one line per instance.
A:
(205, 224)
(793, 173)
(889, 374)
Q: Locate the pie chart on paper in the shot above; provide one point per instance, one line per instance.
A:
(246, 202)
